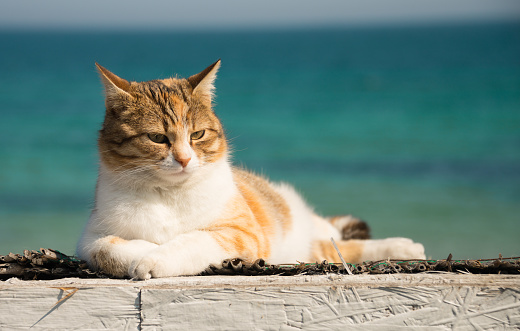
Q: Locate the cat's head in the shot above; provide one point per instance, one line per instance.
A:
(160, 129)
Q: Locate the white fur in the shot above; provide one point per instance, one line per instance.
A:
(296, 245)
(161, 216)
(308, 227)
(187, 254)
(395, 248)
(163, 225)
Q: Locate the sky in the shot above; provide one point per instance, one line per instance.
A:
(241, 13)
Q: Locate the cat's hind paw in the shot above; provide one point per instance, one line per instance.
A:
(393, 248)
(404, 249)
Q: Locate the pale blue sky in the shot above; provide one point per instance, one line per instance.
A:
(242, 13)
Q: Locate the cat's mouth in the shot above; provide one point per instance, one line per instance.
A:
(173, 172)
(180, 171)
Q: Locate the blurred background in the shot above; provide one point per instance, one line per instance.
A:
(405, 113)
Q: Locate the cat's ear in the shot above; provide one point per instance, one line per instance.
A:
(114, 85)
(202, 83)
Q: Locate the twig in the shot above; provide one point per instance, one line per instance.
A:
(341, 257)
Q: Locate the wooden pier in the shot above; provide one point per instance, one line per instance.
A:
(433, 301)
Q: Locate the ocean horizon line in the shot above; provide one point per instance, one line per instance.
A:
(252, 28)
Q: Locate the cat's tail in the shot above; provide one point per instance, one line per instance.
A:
(350, 227)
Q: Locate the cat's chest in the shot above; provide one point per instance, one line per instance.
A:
(158, 217)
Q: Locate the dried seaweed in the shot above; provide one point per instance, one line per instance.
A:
(481, 266)
(52, 264)
(44, 264)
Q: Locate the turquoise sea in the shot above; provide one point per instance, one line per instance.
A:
(414, 129)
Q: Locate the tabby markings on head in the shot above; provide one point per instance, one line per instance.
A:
(165, 125)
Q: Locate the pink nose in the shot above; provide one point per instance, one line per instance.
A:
(183, 161)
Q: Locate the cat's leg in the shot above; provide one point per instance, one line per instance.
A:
(357, 251)
(112, 254)
(187, 254)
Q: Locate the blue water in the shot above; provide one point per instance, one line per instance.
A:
(414, 129)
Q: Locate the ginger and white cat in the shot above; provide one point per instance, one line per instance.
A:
(169, 202)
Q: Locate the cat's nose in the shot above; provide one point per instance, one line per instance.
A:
(183, 160)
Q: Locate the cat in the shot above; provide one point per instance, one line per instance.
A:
(168, 201)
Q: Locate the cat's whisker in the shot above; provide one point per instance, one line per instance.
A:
(122, 176)
(231, 139)
(232, 149)
(131, 172)
(131, 164)
(126, 167)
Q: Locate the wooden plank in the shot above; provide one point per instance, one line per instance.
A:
(214, 309)
(387, 280)
(318, 308)
(374, 302)
(322, 307)
(69, 308)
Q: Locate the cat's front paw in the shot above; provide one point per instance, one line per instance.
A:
(144, 268)
(108, 262)
(188, 254)
(162, 263)
(154, 265)
(113, 255)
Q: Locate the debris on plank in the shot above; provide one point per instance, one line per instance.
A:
(44, 265)
(48, 264)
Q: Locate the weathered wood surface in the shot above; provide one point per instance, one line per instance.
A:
(92, 308)
(439, 301)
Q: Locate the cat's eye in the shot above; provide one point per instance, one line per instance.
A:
(197, 135)
(158, 138)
